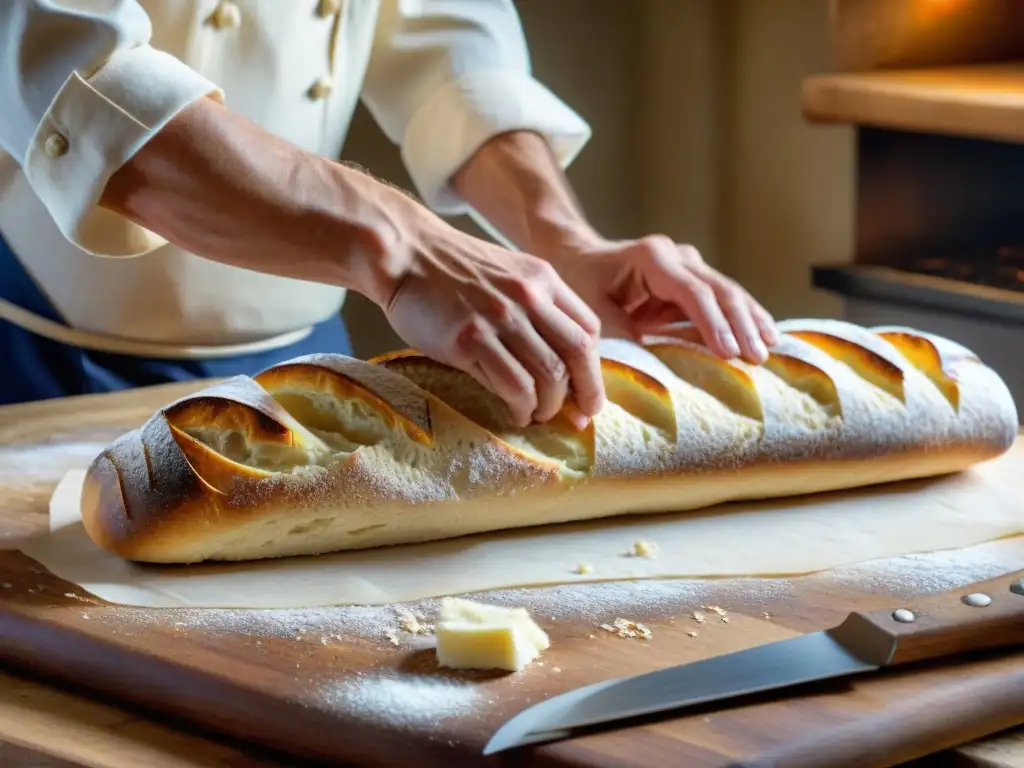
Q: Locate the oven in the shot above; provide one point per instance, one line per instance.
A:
(935, 92)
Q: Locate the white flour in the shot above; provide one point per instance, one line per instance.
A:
(576, 603)
(27, 465)
(593, 603)
(923, 574)
(408, 700)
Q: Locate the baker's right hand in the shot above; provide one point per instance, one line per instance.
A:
(504, 317)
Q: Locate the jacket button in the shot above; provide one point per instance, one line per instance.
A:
(55, 145)
(327, 8)
(321, 89)
(226, 16)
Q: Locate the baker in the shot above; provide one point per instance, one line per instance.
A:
(170, 205)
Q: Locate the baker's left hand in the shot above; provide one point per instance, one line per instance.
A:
(637, 286)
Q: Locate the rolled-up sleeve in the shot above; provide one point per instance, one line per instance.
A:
(81, 91)
(447, 75)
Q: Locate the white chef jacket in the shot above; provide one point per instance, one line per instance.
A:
(85, 83)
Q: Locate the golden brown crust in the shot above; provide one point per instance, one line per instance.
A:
(324, 453)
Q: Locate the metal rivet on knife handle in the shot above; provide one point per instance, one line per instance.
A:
(904, 616)
(977, 600)
(1018, 587)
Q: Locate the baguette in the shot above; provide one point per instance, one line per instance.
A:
(325, 453)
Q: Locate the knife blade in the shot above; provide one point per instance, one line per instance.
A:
(981, 616)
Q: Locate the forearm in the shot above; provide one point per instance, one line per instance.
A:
(515, 183)
(221, 187)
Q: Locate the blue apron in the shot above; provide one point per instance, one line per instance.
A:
(38, 368)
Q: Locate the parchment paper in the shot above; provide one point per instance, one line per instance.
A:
(789, 537)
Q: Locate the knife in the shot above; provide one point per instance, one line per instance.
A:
(980, 616)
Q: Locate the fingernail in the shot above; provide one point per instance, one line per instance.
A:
(728, 342)
(578, 419)
(758, 348)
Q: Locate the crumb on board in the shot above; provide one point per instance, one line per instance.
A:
(413, 624)
(714, 609)
(627, 628)
(642, 548)
(767, 615)
(699, 617)
(584, 568)
(691, 633)
(409, 623)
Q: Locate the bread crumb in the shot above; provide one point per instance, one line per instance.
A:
(627, 628)
(584, 568)
(392, 635)
(714, 609)
(642, 548)
(412, 624)
(767, 615)
(699, 617)
(556, 669)
(691, 633)
(725, 619)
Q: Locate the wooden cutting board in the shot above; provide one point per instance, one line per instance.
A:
(330, 684)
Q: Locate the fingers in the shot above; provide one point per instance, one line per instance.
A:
(554, 334)
(729, 320)
(765, 323)
(736, 307)
(531, 350)
(485, 357)
(509, 320)
(549, 374)
(577, 346)
(698, 301)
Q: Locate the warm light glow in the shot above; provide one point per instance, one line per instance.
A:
(930, 10)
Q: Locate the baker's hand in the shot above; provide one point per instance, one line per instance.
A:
(637, 286)
(504, 317)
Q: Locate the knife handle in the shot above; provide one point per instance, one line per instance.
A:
(984, 615)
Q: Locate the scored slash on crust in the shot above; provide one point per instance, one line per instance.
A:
(925, 356)
(869, 365)
(298, 387)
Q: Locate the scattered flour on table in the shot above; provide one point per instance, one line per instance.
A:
(590, 603)
(409, 700)
(926, 573)
(29, 464)
(593, 603)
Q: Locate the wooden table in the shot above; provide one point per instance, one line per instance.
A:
(43, 726)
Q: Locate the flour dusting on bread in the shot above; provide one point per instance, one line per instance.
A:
(324, 452)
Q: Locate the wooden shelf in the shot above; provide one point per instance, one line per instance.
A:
(977, 101)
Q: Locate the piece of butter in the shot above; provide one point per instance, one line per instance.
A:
(476, 636)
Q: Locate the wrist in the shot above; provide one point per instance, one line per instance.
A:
(384, 237)
(356, 229)
(555, 237)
